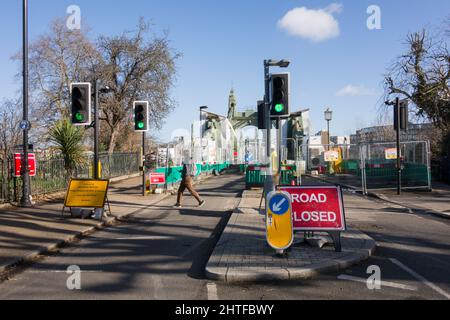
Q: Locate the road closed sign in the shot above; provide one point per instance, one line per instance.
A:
(280, 233)
(317, 208)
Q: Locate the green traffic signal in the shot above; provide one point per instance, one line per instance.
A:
(79, 117)
(279, 107)
(141, 125)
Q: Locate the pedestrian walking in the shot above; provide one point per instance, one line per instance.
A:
(188, 173)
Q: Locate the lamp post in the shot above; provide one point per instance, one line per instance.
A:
(328, 118)
(97, 92)
(269, 182)
(25, 202)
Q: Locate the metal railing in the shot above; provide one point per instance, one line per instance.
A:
(51, 175)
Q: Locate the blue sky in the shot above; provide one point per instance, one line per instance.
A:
(225, 43)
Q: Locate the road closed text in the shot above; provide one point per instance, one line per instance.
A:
(314, 216)
(317, 208)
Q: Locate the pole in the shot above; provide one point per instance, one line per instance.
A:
(329, 135)
(96, 131)
(269, 184)
(279, 137)
(143, 165)
(25, 172)
(167, 167)
(399, 162)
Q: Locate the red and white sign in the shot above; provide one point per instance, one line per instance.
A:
(18, 164)
(317, 208)
(157, 178)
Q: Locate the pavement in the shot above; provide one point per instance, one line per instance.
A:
(436, 202)
(27, 234)
(243, 255)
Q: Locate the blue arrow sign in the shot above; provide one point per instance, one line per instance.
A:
(279, 204)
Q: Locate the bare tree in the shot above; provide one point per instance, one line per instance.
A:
(423, 76)
(136, 68)
(57, 59)
(10, 133)
(133, 65)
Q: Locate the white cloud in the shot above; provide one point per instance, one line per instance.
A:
(316, 25)
(355, 91)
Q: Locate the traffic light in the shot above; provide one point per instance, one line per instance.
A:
(141, 116)
(81, 104)
(280, 95)
(404, 115)
(262, 121)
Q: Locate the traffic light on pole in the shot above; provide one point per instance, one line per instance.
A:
(141, 116)
(81, 104)
(262, 125)
(280, 95)
(403, 112)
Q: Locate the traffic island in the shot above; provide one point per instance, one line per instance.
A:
(243, 255)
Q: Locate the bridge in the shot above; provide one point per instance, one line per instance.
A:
(236, 139)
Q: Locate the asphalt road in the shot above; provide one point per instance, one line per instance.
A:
(161, 253)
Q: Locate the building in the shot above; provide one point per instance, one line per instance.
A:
(415, 132)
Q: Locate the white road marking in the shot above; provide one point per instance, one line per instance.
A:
(383, 283)
(62, 271)
(420, 278)
(147, 238)
(212, 291)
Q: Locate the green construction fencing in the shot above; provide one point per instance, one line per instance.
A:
(381, 175)
(174, 174)
(254, 178)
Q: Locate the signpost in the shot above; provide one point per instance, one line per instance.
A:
(18, 164)
(280, 233)
(316, 209)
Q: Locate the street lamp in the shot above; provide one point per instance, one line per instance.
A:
(97, 92)
(328, 118)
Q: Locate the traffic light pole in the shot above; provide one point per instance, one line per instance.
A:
(399, 160)
(25, 202)
(144, 189)
(269, 182)
(279, 138)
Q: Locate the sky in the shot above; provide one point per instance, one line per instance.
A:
(337, 62)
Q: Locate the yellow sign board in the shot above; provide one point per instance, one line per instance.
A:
(391, 154)
(279, 224)
(84, 193)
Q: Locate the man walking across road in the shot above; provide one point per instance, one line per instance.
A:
(188, 174)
